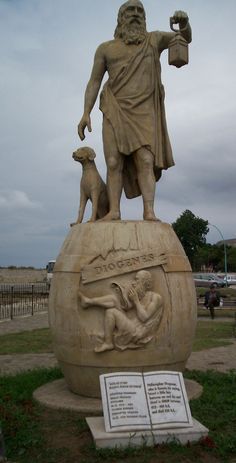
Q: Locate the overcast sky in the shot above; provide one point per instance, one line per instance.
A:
(47, 49)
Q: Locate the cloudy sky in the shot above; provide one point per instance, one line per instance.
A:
(47, 49)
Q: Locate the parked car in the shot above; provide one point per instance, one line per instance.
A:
(208, 279)
(231, 280)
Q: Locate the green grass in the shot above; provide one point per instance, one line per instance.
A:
(209, 334)
(216, 408)
(19, 416)
(212, 334)
(225, 313)
(36, 341)
(35, 434)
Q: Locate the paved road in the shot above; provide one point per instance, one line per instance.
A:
(219, 358)
(27, 323)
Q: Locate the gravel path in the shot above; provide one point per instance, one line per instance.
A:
(27, 323)
(219, 358)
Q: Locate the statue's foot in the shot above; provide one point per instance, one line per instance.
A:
(110, 216)
(150, 216)
(105, 346)
(75, 223)
(84, 301)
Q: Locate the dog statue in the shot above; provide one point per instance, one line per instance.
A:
(91, 186)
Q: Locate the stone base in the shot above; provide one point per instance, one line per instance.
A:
(93, 257)
(58, 396)
(104, 439)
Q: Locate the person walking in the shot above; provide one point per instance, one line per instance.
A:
(212, 300)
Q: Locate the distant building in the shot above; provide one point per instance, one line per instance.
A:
(231, 242)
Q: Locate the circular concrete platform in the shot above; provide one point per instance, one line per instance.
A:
(57, 395)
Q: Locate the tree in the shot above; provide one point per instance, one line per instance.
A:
(191, 231)
(231, 258)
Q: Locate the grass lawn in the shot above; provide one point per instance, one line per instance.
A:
(34, 434)
(208, 334)
(225, 313)
(213, 334)
(36, 341)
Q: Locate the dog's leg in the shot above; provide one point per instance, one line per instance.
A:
(82, 205)
(94, 199)
(103, 203)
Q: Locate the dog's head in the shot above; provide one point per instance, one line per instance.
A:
(84, 155)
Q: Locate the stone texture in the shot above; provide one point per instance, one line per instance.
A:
(77, 332)
(103, 439)
(91, 186)
(57, 395)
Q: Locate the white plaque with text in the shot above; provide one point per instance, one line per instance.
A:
(136, 401)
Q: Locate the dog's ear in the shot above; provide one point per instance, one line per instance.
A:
(91, 154)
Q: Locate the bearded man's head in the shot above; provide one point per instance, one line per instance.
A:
(131, 22)
(142, 283)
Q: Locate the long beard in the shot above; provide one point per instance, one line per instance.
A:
(140, 289)
(131, 33)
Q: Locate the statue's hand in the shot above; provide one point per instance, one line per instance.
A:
(133, 296)
(85, 122)
(181, 18)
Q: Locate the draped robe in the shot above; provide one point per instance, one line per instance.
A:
(133, 103)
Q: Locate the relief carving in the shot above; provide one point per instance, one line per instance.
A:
(132, 313)
(122, 265)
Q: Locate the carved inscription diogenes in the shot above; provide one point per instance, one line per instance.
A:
(131, 262)
(121, 265)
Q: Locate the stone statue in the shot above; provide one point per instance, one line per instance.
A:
(135, 137)
(91, 186)
(132, 313)
(123, 296)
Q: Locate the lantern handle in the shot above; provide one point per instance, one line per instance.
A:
(172, 21)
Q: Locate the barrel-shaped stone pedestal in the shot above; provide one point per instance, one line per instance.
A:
(92, 258)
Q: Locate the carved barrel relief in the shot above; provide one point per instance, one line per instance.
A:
(132, 309)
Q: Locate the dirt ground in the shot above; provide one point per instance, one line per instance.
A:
(72, 442)
(21, 276)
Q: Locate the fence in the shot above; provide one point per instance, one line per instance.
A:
(18, 300)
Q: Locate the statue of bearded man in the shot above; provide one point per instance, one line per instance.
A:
(135, 137)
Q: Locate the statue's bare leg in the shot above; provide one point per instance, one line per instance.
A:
(114, 162)
(110, 323)
(114, 318)
(144, 162)
(106, 302)
(85, 302)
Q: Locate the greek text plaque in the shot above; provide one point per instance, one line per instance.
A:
(154, 400)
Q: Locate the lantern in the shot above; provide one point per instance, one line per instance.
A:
(178, 48)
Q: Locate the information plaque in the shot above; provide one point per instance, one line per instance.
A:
(136, 401)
